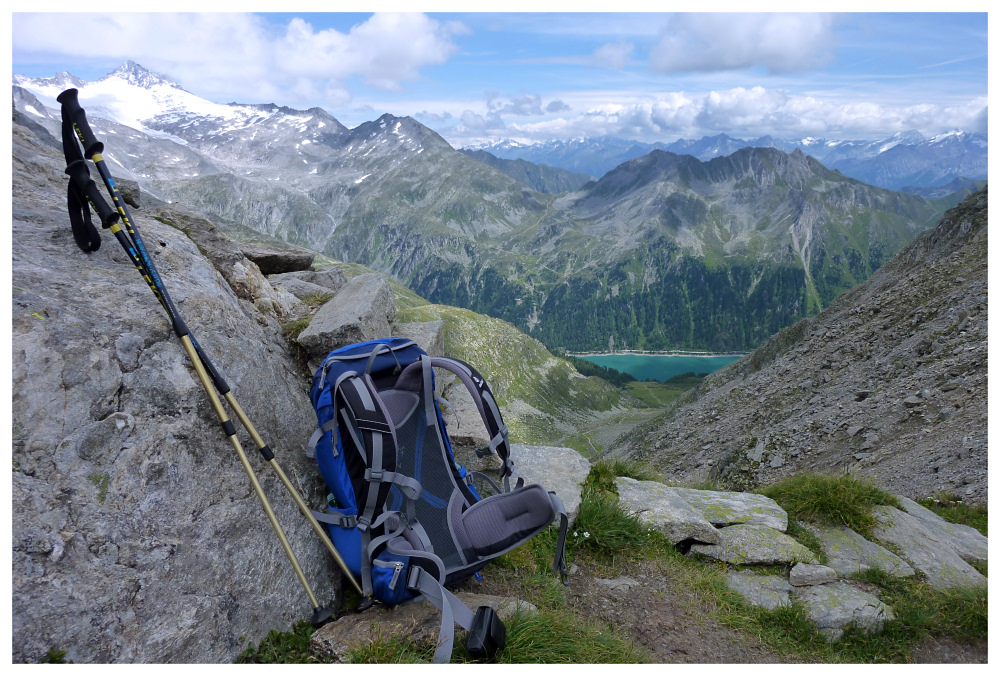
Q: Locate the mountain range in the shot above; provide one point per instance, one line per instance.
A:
(904, 160)
(663, 251)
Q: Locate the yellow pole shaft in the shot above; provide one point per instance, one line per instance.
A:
(303, 507)
(224, 418)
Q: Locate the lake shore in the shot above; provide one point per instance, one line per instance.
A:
(655, 353)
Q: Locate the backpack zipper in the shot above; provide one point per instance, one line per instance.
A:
(397, 569)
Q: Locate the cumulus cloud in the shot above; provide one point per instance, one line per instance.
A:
(522, 104)
(781, 42)
(225, 55)
(614, 55)
(556, 106)
(753, 112)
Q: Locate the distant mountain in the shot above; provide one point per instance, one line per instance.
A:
(540, 177)
(665, 251)
(905, 159)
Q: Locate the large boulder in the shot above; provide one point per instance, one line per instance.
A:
(558, 469)
(364, 309)
(135, 534)
(764, 591)
(273, 259)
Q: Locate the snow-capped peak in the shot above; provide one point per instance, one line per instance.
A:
(139, 76)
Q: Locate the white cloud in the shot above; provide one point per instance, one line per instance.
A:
(781, 42)
(223, 56)
(744, 112)
(614, 55)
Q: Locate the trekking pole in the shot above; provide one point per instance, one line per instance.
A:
(74, 118)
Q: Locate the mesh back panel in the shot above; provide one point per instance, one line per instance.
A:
(421, 456)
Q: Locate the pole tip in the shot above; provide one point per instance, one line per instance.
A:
(321, 615)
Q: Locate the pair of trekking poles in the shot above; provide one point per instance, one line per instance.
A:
(83, 191)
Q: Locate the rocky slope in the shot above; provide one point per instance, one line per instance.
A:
(889, 382)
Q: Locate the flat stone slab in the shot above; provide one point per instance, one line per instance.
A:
(662, 508)
(848, 553)
(832, 607)
(967, 542)
(726, 508)
(363, 310)
(299, 288)
(765, 591)
(807, 574)
(418, 622)
(925, 548)
(750, 544)
(274, 259)
(558, 469)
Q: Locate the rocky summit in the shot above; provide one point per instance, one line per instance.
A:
(888, 383)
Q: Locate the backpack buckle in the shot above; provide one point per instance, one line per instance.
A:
(375, 476)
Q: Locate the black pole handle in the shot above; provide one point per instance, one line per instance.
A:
(80, 176)
(76, 114)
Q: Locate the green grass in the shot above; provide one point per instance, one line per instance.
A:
(840, 500)
(289, 647)
(545, 637)
(658, 395)
(953, 509)
(604, 472)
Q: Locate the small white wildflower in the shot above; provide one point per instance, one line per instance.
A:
(586, 534)
(575, 534)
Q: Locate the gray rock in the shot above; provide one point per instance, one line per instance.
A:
(363, 310)
(562, 470)
(912, 401)
(662, 508)
(777, 460)
(428, 335)
(747, 544)
(725, 508)
(807, 574)
(299, 288)
(967, 542)
(925, 548)
(330, 278)
(418, 622)
(274, 259)
(832, 607)
(135, 536)
(758, 451)
(619, 584)
(849, 553)
(765, 591)
(129, 190)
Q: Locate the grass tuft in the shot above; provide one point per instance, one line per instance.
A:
(952, 508)
(840, 500)
(283, 647)
(604, 472)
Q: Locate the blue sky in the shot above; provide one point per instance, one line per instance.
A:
(556, 75)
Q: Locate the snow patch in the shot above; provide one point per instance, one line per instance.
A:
(361, 179)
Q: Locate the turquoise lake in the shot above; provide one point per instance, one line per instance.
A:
(660, 367)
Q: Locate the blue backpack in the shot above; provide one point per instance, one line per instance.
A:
(404, 515)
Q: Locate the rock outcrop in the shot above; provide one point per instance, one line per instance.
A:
(135, 534)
